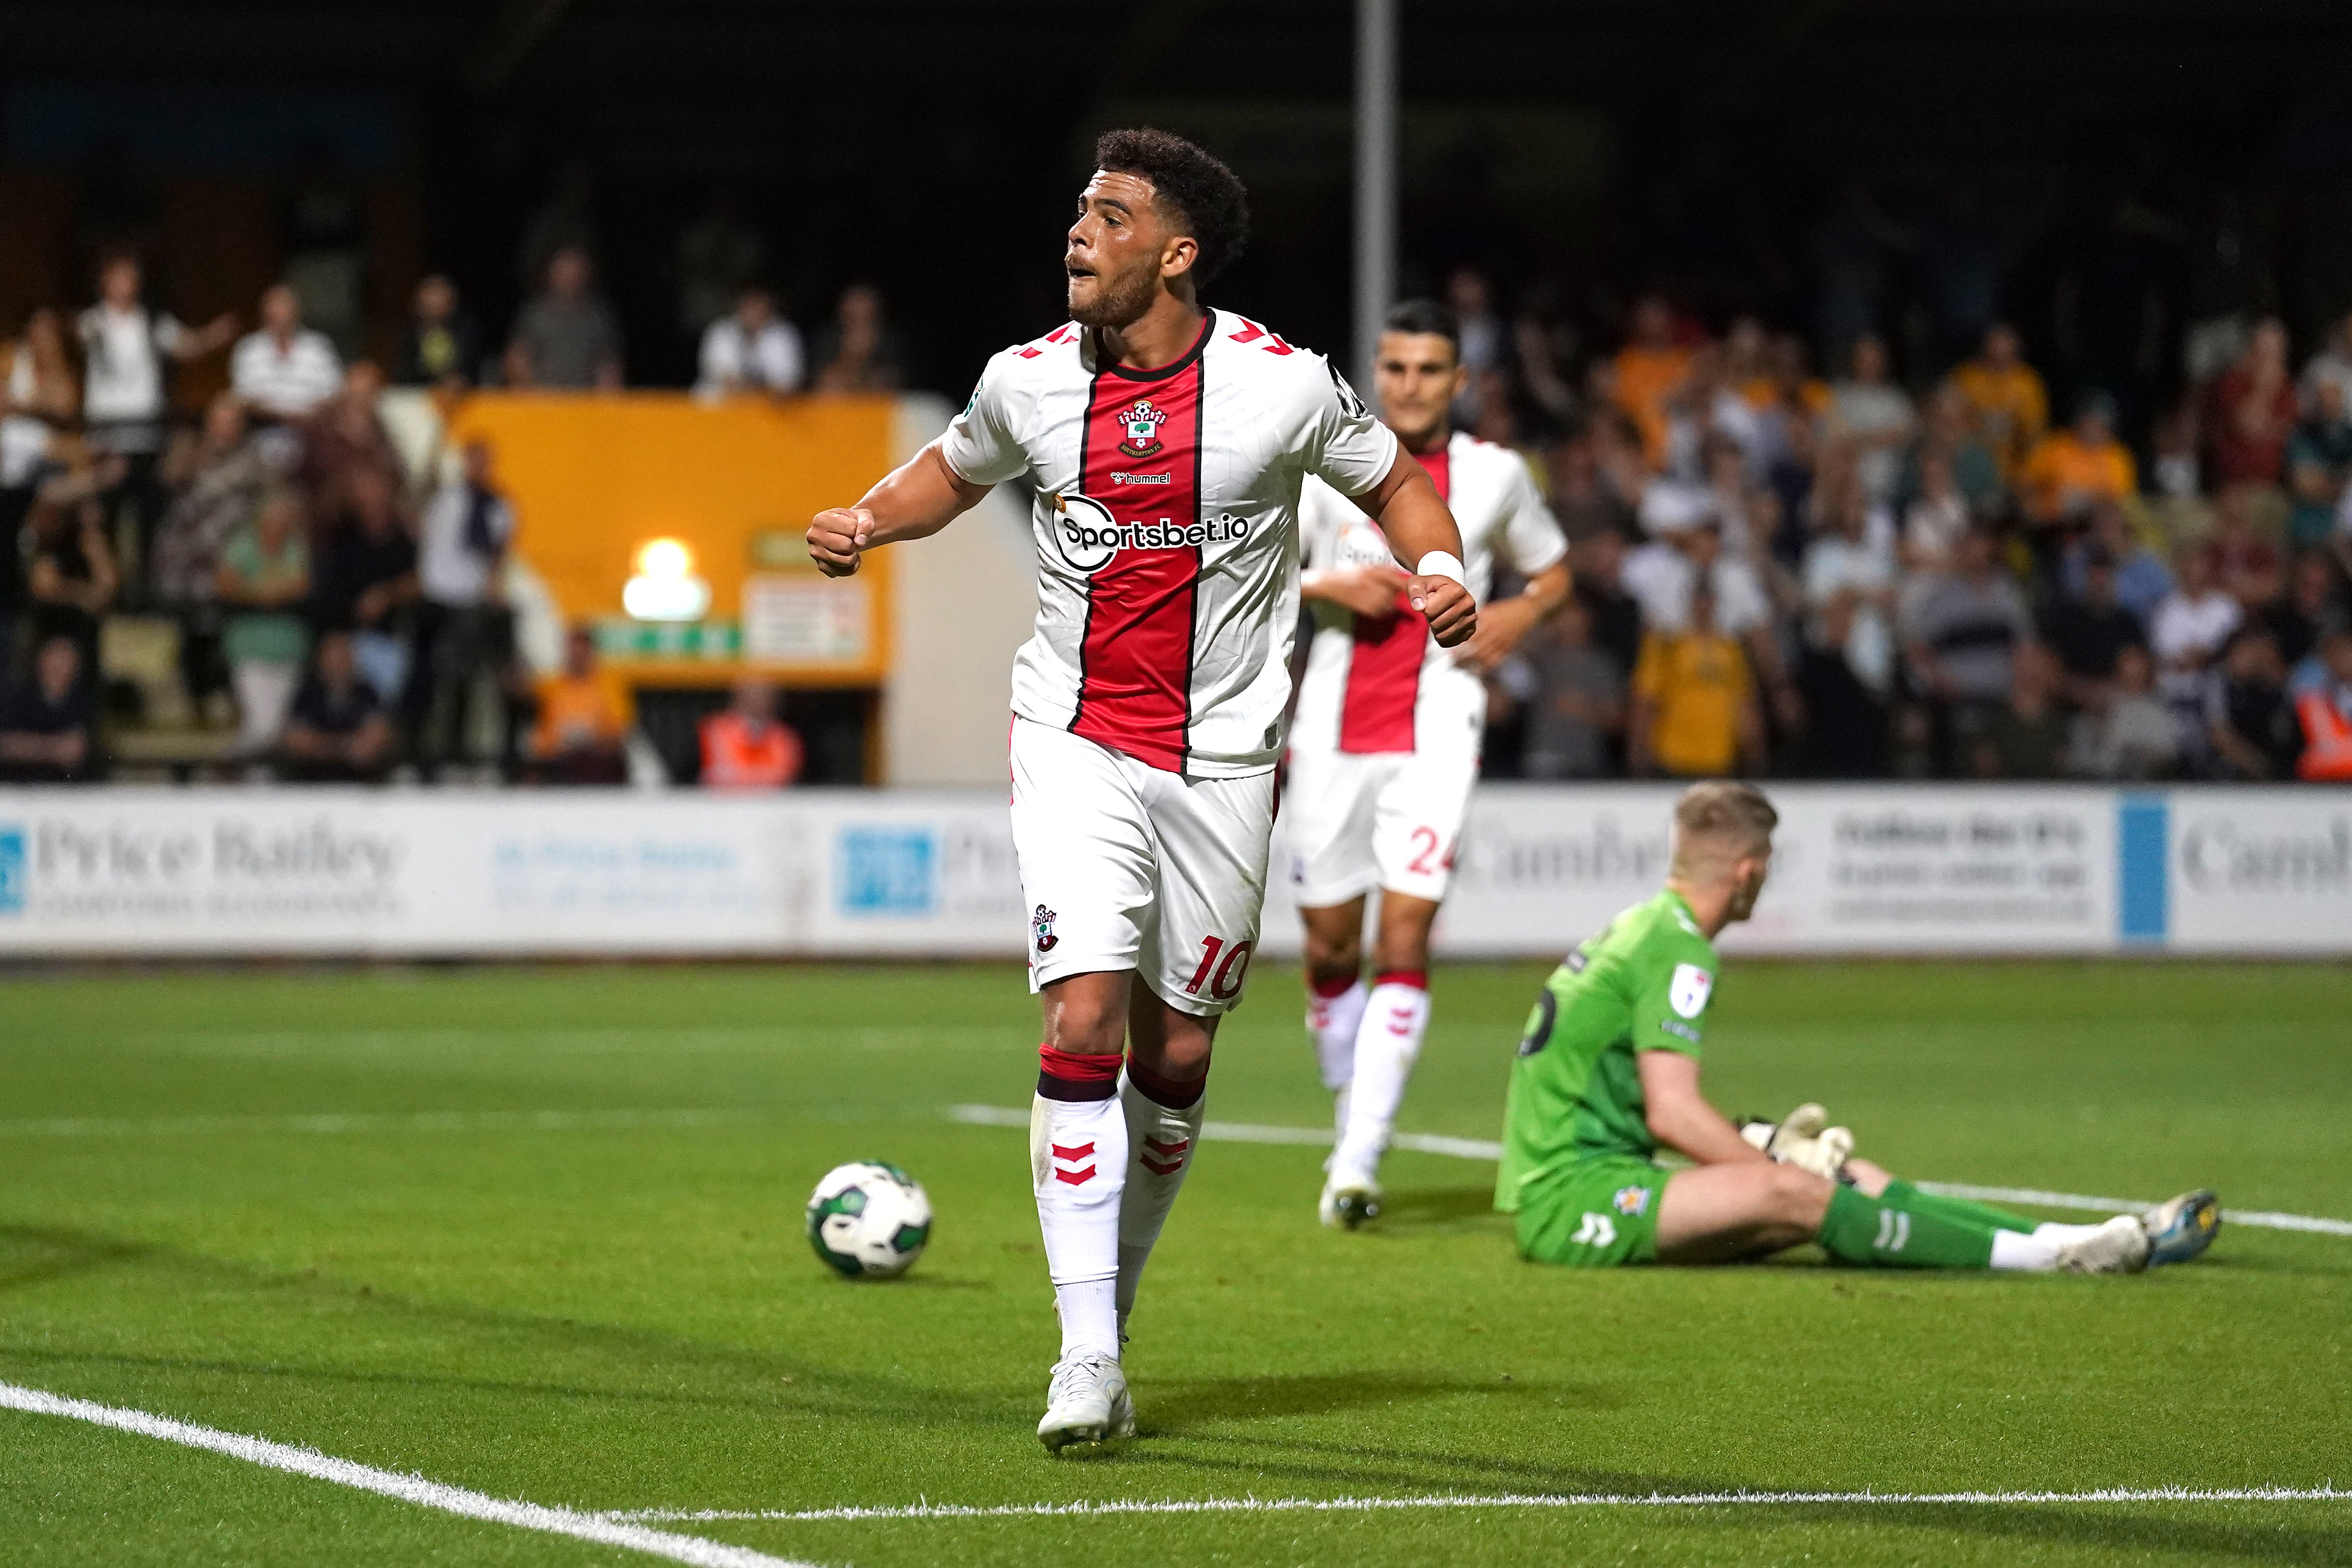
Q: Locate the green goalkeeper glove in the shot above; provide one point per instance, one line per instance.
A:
(1803, 1138)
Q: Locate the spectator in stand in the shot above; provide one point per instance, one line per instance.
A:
(2071, 472)
(2312, 608)
(441, 347)
(1649, 370)
(2027, 737)
(465, 632)
(1872, 417)
(1576, 718)
(343, 438)
(126, 351)
(2142, 580)
(2324, 715)
(1937, 517)
(859, 350)
(2246, 564)
(338, 731)
(1962, 632)
(2318, 461)
(2005, 399)
(1846, 566)
(2176, 499)
(2130, 734)
(38, 400)
(2250, 723)
(48, 734)
(283, 370)
(1845, 729)
(2088, 634)
(1946, 431)
(70, 579)
(2192, 624)
(2252, 412)
(745, 745)
(567, 339)
(218, 478)
(1695, 713)
(1687, 553)
(584, 717)
(751, 350)
(363, 581)
(263, 577)
(1599, 585)
(2331, 363)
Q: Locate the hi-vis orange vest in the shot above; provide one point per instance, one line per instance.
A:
(735, 757)
(2326, 737)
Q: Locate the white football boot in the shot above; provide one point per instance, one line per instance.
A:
(1348, 1207)
(2118, 1247)
(1086, 1403)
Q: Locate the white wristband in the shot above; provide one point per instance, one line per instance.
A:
(1440, 563)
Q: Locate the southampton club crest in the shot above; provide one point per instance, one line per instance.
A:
(1142, 423)
(1041, 928)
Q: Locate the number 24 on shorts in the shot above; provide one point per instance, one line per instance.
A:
(1223, 979)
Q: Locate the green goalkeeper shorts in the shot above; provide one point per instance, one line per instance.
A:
(1595, 1213)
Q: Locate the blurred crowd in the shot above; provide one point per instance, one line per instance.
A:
(1852, 576)
(286, 588)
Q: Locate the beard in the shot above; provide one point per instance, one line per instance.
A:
(1118, 300)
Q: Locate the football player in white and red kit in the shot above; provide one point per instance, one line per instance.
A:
(1384, 747)
(1168, 444)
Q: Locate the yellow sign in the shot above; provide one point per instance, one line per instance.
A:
(695, 511)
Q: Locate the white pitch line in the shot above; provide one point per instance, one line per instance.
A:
(600, 1527)
(1475, 1149)
(371, 1122)
(1500, 1499)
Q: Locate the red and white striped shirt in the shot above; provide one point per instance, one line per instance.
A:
(1167, 530)
(1384, 685)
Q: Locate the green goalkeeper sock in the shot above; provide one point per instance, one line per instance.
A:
(1903, 1195)
(1881, 1231)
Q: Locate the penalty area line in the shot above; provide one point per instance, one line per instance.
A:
(1503, 1499)
(602, 1529)
(1477, 1149)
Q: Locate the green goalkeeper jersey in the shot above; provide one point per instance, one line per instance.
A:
(1642, 984)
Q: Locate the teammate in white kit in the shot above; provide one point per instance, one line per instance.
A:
(1385, 747)
(1168, 444)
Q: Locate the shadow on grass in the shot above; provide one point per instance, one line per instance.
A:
(36, 1255)
(1409, 1210)
(1178, 1406)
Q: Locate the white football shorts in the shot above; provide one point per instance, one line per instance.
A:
(1128, 866)
(1365, 819)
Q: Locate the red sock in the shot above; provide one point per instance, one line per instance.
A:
(1417, 979)
(1334, 986)
(1077, 1075)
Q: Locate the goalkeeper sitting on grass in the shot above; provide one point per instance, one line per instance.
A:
(1608, 1072)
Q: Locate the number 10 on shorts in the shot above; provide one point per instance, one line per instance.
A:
(1222, 967)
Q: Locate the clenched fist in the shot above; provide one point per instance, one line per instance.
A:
(1453, 614)
(837, 538)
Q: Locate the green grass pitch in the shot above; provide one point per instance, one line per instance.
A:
(325, 1207)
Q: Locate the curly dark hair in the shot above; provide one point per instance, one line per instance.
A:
(1199, 189)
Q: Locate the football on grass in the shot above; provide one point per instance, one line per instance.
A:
(870, 1220)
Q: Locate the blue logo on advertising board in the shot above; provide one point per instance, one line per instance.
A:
(885, 870)
(13, 875)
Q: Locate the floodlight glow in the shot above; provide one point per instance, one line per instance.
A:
(665, 587)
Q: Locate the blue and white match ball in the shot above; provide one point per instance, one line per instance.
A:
(870, 1220)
